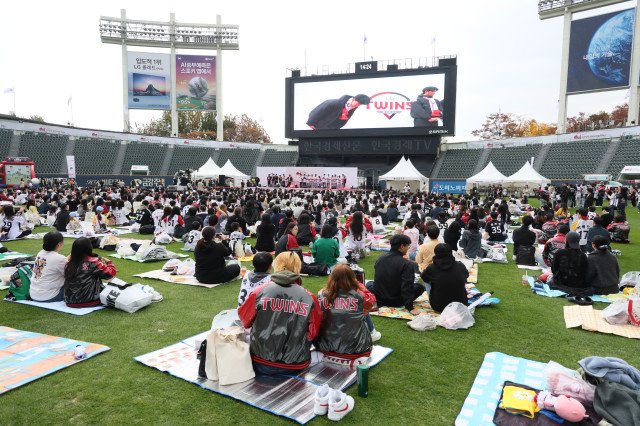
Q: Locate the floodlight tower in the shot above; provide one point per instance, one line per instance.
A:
(554, 8)
(171, 35)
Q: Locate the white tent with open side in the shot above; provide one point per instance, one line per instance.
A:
(208, 170)
(230, 171)
(526, 176)
(487, 176)
(402, 173)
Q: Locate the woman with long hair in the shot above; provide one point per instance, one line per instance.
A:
(210, 260)
(356, 232)
(306, 230)
(288, 240)
(345, 304)
(83, 275)
(265, 234)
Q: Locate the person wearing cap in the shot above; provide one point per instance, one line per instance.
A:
(333, 114)
(425, 110)
(569, 268)
(603, 271)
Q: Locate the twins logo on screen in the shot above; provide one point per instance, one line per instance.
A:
(389, 104)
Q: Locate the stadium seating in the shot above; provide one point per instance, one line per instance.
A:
(188, 157)
(95, 156)
(5, 142)
(244, 159)
(45, 149)
(509, 160)
(572, 160)
(628, 154)
(275, 158)
(458, 163)
(144, 154)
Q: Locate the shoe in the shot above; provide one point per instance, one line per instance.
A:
(580, 300)
(321, 402)
(423, 322)
(351, 363)
(340, 404)
(375, 335)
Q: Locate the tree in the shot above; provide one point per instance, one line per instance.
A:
(37, 118)
(599, 120)
(501, 125)
(203, 125)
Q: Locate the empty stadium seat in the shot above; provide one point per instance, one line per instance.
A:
(144, 154)
(458, 163)
(572, 160)
(628, 154)
(189, 157)
(95, 156)
(275, 158)
(510, 160)
(46, 150)
(244, 159)
(5, 142)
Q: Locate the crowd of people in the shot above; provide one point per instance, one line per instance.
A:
(307, 180)
(430, 234)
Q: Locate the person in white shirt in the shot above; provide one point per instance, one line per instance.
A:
(12, 224)
(192, 238)
(47, 282)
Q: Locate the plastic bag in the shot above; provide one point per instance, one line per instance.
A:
(616, 313)
(633, 307)
(124, 249)
(563, 381)
(423, 322)
(456, 316)
(497, 255)
(171, 265)
(163, 238)
(630, 279)
(187, 267)
(135, 227)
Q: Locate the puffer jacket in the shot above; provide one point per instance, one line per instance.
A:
(471, 243)
(343, 332)
(284, 318)
(84, 289)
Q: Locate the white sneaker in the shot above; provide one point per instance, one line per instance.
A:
(351, 363)
(375, 335)
(340, 404)
(321, 403)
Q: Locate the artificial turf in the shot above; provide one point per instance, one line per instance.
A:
(424, 381)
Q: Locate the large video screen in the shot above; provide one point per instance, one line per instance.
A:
(410, 102)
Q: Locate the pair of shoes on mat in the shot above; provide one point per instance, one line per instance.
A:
(375, 335)
(580, 300)
(352, 363)
(332, 402)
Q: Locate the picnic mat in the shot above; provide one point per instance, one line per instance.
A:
(13, 255)
(60, 307)
(165, 276)
(591, 320)
(135, 259)
(543, 289)
(482, 401)
(287, 396)
(27, 356)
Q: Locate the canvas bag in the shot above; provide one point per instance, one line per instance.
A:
(228, 359)
(127, 297)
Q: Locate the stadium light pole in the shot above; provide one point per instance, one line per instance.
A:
(171, 35)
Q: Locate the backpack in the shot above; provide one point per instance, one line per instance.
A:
(147, 229)
(20, 281)
(526, 255)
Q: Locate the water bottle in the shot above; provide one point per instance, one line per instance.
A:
(363, 380)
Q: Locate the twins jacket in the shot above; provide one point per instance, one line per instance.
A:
(86, 286)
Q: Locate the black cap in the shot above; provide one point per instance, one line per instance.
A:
(573, 240)
(363, 99)
(430, 89)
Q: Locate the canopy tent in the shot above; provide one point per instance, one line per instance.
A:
(402, 173)
(488, 176)
(208, 170)
(526, 176)
(230, 170)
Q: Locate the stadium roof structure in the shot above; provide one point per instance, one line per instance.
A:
(527, 175)
(488, 175)
(404, 170)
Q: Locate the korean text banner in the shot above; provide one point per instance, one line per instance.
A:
(196, 82)
(449, 186)
(149, 80)
(600, 51)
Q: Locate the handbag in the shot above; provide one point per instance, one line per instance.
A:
(125, 297)
(228, 359)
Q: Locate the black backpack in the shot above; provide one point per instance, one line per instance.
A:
(526, 255)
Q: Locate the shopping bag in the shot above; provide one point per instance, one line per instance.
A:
(232, 356)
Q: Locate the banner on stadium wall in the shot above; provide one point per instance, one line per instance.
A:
(308, 177)
(108, 180)
(149, 80)
(449, 186)
(71, 166)
(600, 51)
(196, 82)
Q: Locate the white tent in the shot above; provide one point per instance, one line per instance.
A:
(527, 176)
(208, 170)
(402, 173)
(229, 170)
(488, 176)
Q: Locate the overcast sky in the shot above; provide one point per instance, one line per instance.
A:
(507, 58)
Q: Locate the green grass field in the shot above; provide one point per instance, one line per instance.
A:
(424, 381)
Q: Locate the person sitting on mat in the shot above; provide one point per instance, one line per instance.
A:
(345, 304)
(569, 268)
(260, 275)
(288, 240)
(284, 319)
(47, 281)
(210, 260)
(83, 275)
(446, 279)
(326, 250)
(603, 271)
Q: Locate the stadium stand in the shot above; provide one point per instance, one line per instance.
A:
(185, 157)
(144, 154)
(572, 160)
(458, 163)
(244, 159)
(509, 160)
(94, 156)
(45, 149)
(5, 142)
(275, 158)
(628, 154)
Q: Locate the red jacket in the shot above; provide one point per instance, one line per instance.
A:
(367, 223)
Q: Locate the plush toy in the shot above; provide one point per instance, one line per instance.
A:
(566, 407)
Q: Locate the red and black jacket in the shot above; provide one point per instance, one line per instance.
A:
(84, 289)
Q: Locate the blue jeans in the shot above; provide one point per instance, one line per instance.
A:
(369, 322)
(57, 298)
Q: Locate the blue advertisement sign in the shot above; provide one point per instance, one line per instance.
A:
(449, 186)
(149, 80)
(600, 51)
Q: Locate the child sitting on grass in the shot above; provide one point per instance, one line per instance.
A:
(619, 230)
(192, 238)
(235, 240)
(261, 274)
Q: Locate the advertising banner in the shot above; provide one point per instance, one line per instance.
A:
(308, 177)
(449, 186)
(600, 51)
(149, 80)
(71, 166)
(196, 82)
